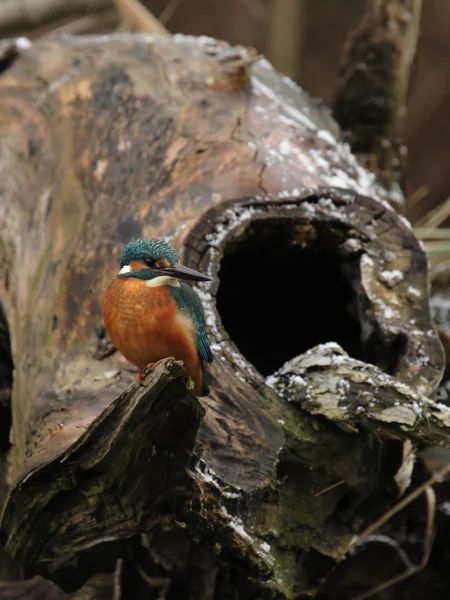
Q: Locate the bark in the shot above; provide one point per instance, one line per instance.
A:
(101, 587)
(370, 99)
(326, 381)
(109, 138)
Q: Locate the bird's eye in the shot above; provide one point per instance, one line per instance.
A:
(150, 262)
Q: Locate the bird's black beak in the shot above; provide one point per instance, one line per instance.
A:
(181, 272)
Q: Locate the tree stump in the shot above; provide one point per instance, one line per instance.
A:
(114, 137)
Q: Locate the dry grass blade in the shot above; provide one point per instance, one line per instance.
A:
(437, 216)
(427, 233)
(418, 195)
(140, 17)
(437, 243)
(169, 11)
(434, 248)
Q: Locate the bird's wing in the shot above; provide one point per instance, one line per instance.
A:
(190, 304)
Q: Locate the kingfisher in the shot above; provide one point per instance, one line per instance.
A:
(150, 313)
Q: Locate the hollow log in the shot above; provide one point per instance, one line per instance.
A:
(108, 138)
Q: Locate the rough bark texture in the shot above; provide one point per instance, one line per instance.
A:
(105, 139)
(370, 100)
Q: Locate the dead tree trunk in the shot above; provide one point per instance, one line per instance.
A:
(105, 139)
(370, 102)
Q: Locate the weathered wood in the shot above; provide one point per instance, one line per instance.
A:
(100, 587)
(357, 396)
(34, 589)
(370, 99)
(164, 419)
(109, 138)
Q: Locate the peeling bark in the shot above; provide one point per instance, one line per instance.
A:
(357, 396)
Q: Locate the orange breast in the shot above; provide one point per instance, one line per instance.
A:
(146, 325)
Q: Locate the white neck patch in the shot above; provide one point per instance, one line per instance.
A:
(162, 280)
(156, 281)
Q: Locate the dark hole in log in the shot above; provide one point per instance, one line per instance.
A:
(283, 290)
(6, 375)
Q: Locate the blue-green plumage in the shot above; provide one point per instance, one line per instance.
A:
(190, 304)
(145, 248)
(150, 252)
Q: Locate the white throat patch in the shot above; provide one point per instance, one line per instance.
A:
(157, 281)
(162, 280)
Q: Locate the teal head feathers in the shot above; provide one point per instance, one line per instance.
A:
(158, 256)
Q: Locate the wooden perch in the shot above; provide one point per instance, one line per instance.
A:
(114, 473)
(109, 138)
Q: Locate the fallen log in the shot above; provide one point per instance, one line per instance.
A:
(109, 138)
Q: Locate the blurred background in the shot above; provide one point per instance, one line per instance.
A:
(303, 39)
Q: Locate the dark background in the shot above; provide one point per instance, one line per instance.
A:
(319, 29)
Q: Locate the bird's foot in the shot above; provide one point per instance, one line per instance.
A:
(190, 384)
(141, 374)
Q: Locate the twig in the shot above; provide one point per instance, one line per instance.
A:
(156, 582)
(169, 11)
(438, 475)
(139, 16)
(118, 572)
(428, 544)
(330, 487)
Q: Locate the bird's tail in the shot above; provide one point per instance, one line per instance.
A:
(205, 381)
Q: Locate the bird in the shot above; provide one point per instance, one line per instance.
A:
(150, 313)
